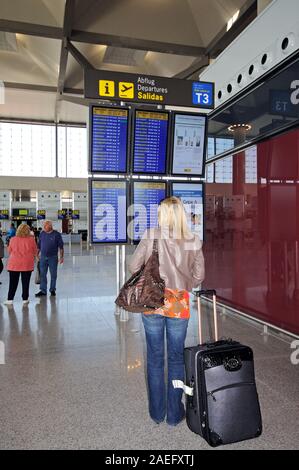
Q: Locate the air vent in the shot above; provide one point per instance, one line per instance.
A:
(123, 56)
(8, 42)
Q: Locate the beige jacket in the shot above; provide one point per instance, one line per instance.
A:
(181, 261)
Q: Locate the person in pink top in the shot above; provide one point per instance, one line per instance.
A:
(22, 250)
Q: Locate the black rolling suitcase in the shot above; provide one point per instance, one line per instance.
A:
(221, 398)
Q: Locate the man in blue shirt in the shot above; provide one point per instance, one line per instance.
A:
(50, 241)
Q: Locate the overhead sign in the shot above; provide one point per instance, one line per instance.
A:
(76, 214)
(41, 214)
(62, 214)
(4, 214)
(148, 89)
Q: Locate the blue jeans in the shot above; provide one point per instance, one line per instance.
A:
(46, 262)
(162, 403)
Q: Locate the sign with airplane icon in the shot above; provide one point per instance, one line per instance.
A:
(150, 89)
(126, 90)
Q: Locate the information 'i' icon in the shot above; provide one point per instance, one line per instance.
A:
(106, 88)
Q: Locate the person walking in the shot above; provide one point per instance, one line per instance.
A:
(49, 243)
(22, 250)
(10, 233)
(1, 254)
(181, 266)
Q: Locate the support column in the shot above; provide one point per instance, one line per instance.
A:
(239, 132)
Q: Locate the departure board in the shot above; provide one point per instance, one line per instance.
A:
(146, 199)
(189, 144)
(150, 142)
(108, 215)
(109, 140)
(192, 196)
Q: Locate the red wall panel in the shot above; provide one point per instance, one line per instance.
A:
(252, 236)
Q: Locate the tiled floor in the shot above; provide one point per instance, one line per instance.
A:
(74, 372)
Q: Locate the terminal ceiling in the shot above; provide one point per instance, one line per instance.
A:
(170, 38)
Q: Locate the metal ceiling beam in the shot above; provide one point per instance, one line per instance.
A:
(44, 88)
(193, 68)
(62, 67)
(98, 38)
(247, 14)
(67, 29)
(138, 44)
(78, 56)
(41, 121)
(76, 100)
(20, 27)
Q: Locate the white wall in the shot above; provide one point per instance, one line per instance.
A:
(43, 184)
(80, 202)
(279, 20)
(50, 202)
(5, 203)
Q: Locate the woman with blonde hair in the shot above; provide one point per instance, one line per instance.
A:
(22, 250)
(181, 266)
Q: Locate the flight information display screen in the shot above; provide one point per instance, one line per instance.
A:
(189, 144)
(192, 196)
(108, 215)
(109, 140)
(150, 142)
(146, 199)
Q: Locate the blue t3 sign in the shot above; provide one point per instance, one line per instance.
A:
(203, 94)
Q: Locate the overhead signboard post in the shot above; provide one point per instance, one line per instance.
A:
(148, 89)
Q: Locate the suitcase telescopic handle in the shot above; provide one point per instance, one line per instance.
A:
(208, 292)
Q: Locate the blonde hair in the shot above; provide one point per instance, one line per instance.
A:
(172, 217)
(23, 231)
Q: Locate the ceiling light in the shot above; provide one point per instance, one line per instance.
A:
(232, 20)
(235, 127)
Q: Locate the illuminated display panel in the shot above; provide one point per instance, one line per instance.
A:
(23, 212)
(146, 198)
(189, 144)
(109, 140)
(41, 214)
(4, 214)
(150, 142)
(108, 211)
(192, 196)
(62, 214)
(76, 214)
